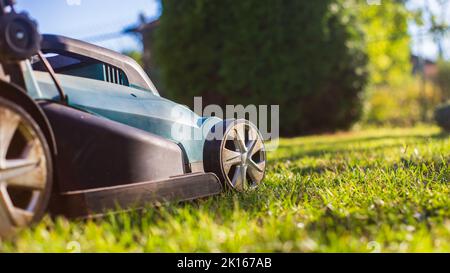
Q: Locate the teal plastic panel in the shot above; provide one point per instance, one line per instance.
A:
(134, 107)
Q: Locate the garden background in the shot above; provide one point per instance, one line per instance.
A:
(362, 165)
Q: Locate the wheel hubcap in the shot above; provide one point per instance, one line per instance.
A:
(23, 172)
(243, 157)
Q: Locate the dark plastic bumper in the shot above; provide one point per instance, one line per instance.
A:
(96, 202)
(95, 152)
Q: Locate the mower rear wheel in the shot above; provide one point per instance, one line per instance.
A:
(25, 169)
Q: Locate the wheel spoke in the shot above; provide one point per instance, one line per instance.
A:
(20, 173)
(252, 138)
(22, 217)
(5, 217)
(251, 145)
(19, 216)
(10, 169)
(240, 178)
(8, 126)
(244, 177)
(230, 158)
(256, 166)
(240, 140)
(5, 201)
(257, 145)
(256, 170)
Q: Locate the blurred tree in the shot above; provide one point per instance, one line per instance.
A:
(306, 56)
(443, 79)
(134, 54)
(386, 28)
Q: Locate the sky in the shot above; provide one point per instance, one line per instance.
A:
(426, 46)
(83, 19)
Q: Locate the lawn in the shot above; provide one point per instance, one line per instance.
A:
(382, 190)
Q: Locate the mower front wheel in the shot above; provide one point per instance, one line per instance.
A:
(236, 154)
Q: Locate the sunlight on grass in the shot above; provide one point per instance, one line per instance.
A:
(375, 190)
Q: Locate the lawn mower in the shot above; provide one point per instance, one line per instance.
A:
(83, 131)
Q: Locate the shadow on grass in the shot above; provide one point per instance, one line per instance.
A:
(317, 153)
(362, 139)
(403, 163)
(327, 148)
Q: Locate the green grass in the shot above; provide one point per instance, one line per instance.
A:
(376, 190)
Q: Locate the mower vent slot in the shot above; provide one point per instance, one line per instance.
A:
(114, 75)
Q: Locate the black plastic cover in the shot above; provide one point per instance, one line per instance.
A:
(95, 152)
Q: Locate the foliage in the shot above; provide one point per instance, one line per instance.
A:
(442, 116)
(380, 190)
(306, 56)
(400, 104)
(386, 28)
(136, 55)
(443, 79)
